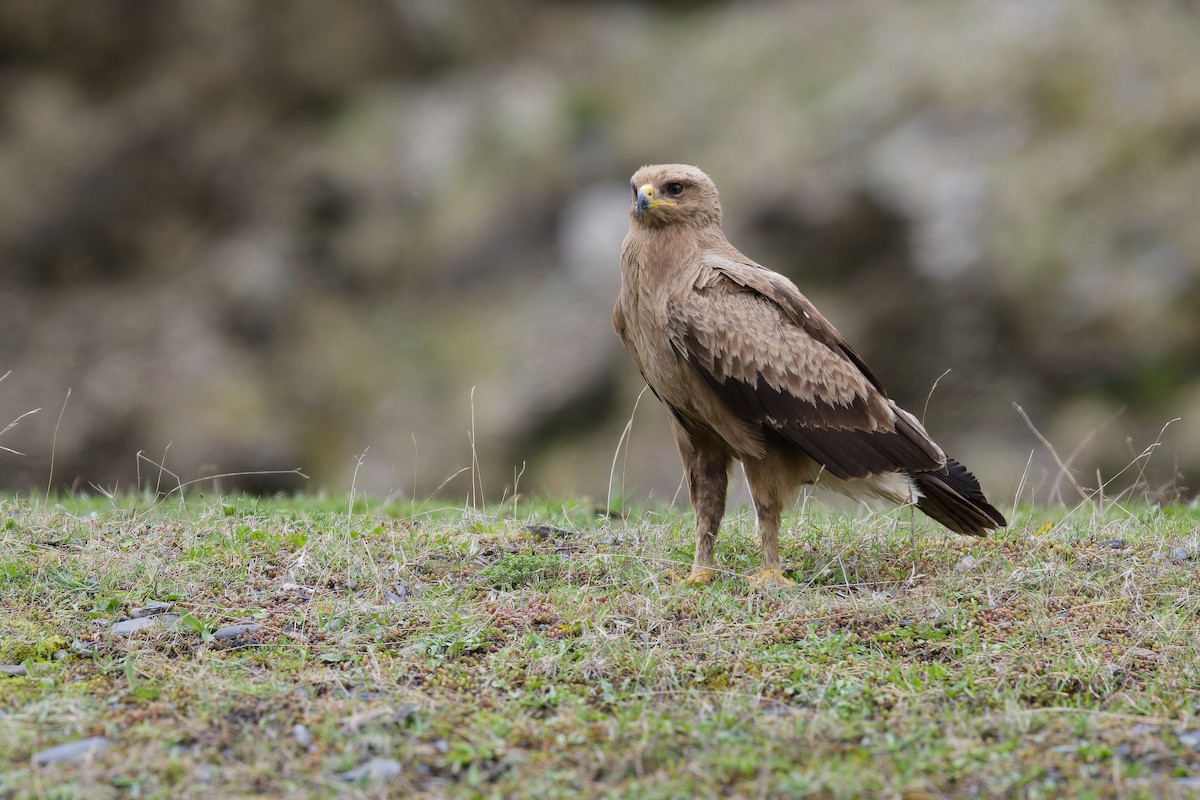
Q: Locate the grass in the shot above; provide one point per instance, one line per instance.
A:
(541, 650)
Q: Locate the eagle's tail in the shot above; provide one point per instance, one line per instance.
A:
(956, 500)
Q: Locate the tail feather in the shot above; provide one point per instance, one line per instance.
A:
(956, 500)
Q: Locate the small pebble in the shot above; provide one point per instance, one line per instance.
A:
(965, 564)
(235, 631)
(71, 751)
(1189, 738)
(376, 770)
(126, 627)
(150, 609)
(543, 532)
(1179, 554)
(1113, 544)
(13, 670)
(302, 736)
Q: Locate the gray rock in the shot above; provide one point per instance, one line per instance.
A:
(13, 670)
(1188, 783)
(129, 626)
(1189, 738)
(1113, 544)
(235, 631)
(377, 770)
(965, 564)
(1179, 554)
(80, 750)
(150, 609)
(81, 647)
(544, 532)
(302, 736)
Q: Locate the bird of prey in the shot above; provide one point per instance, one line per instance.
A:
(750, 370)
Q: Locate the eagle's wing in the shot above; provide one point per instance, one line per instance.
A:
(775, 361)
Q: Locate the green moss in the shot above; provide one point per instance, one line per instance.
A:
(518, 569)
(21, 640)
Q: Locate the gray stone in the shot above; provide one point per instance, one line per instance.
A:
(543, 532)
(235, 631)
(126, 627)
(80, 750)
(1113, 544)
(1189, 738)
(150, 609)
(377, 770)
(1179, 554)
(965, 564)
(302, 736)
(13, 670)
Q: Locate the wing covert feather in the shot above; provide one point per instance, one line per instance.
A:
(776, 361)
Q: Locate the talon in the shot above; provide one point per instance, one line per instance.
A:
(700, 577)
(769, 576)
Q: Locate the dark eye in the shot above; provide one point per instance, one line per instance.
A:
(674, 189)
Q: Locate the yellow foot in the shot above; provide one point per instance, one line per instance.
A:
(770, 577)
(700, 577)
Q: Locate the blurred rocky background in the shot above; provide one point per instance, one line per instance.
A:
(254, 236)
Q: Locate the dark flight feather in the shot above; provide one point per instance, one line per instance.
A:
(956, 500)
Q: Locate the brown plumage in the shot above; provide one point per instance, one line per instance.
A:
(750, 370)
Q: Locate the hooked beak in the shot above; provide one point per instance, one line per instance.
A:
(645, 200)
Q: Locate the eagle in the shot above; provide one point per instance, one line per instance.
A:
(751, 371)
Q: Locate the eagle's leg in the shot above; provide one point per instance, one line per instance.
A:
(707, 466)
(770, 496)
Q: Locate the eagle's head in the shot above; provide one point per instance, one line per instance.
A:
(673, 194)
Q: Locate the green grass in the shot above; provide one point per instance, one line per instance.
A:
(542, 650)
